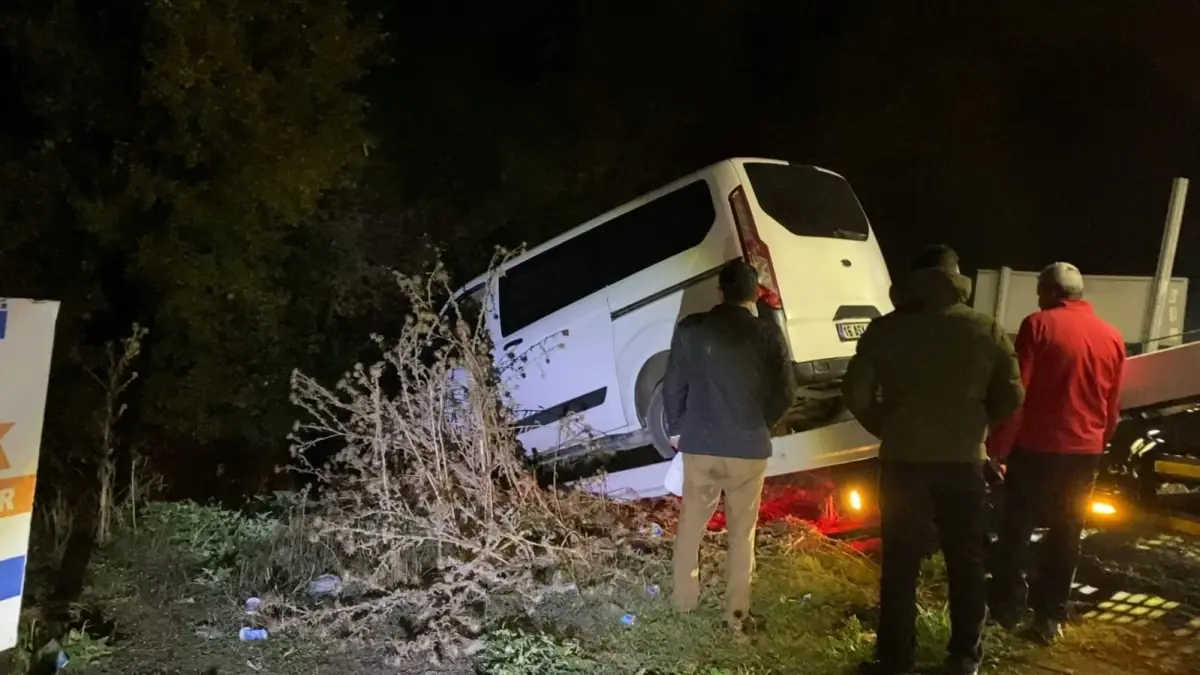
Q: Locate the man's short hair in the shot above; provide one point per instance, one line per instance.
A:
(738, 282)
(937, 256)
(1064, 278)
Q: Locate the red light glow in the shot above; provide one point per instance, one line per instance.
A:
(782, 502)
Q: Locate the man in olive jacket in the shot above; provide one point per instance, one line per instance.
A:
(929, 379)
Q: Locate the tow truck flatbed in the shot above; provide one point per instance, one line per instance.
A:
(1155, 383)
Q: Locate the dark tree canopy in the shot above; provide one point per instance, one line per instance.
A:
(172, 160)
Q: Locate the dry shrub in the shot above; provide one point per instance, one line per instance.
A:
(432, 512)
(143, 486)
(52, 523)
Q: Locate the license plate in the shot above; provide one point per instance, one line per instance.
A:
(848, 332)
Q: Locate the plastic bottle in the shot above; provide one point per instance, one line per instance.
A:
(248, 634)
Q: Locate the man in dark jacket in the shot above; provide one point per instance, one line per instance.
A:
(728, 381)
(1071, 363)
(929, 379)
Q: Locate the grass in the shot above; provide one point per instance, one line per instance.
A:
(812, 598)
(815, 600)
(168, 600)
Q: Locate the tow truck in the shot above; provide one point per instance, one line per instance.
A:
(1149, 471)
(1150, 474)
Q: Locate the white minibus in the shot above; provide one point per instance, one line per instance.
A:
(588, 316)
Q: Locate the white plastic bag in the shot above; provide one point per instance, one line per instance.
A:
(674, 479)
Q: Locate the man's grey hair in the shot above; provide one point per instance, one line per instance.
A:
(1064, 278)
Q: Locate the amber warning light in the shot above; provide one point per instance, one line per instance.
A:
(855, 500)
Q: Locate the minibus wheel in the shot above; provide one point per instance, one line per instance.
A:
(656, 423)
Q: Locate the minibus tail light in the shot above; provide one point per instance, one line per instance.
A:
(755, 250)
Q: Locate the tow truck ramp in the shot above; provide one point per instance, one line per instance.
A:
(1153, 382)
(1161, 378)
(832, 445)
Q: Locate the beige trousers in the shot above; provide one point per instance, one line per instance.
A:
(704, 479)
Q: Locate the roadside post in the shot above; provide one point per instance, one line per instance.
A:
(1166, 263)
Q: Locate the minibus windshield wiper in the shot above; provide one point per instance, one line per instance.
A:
(849, 234)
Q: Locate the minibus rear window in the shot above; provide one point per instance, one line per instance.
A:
(807, 201)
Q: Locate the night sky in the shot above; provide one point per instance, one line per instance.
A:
(1018, 132)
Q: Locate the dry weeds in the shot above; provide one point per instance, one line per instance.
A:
(426, 499)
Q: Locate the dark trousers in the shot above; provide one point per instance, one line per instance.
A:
(1041, 489)
(912, 497)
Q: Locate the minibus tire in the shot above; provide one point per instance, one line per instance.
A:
(655, 423)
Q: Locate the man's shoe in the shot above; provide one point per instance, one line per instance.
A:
(745, 626)
(1005, 618)
(1046, 631)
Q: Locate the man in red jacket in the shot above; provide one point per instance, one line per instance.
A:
(1071, 365)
